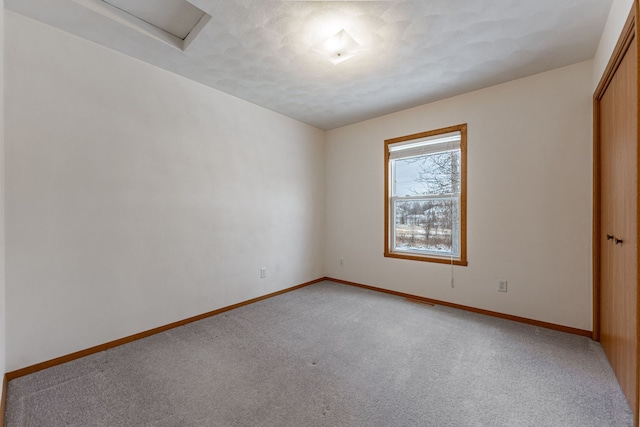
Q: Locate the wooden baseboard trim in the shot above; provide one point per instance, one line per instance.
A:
(3, 399)
(414, 298)
(111, 344)
(424, 300)
(417, 301)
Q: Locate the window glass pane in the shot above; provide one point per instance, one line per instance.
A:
(425, 179)
(428, 175)
(431, 226)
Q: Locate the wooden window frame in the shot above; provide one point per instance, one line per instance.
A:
(388, 252)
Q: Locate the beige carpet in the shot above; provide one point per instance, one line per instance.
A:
(332, 355)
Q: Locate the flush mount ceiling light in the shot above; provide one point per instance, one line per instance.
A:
(339, 47)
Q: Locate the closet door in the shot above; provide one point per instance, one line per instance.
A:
(617, 129)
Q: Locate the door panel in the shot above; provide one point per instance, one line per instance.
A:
(618, 218)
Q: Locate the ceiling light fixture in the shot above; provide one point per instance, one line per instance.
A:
(339, 47)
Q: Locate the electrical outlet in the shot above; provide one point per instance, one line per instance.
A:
(502, 286)
(263, 272)
(341, 262)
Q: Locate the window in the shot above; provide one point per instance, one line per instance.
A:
(425, 196)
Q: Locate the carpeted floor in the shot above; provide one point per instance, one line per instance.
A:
(332, 355)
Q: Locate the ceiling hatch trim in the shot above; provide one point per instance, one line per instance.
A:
(148, 29)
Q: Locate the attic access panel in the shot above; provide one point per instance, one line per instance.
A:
(176, 17)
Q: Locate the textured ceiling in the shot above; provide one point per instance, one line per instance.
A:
(417, 51)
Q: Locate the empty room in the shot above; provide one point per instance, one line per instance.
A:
(319, 213)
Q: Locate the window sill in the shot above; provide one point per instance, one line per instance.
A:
(426, 258)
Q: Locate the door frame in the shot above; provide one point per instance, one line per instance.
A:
(629, 32)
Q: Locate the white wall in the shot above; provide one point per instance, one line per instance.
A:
(136, 197)
(529, 199)
(2, 171)
(617, 17)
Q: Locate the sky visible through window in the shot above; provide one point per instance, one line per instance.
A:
(407, 173)
(428, 174)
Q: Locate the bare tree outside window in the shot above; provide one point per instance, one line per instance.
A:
(428, 225)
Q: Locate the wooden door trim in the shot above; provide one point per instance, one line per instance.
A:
(629, 32)
(625, 39)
